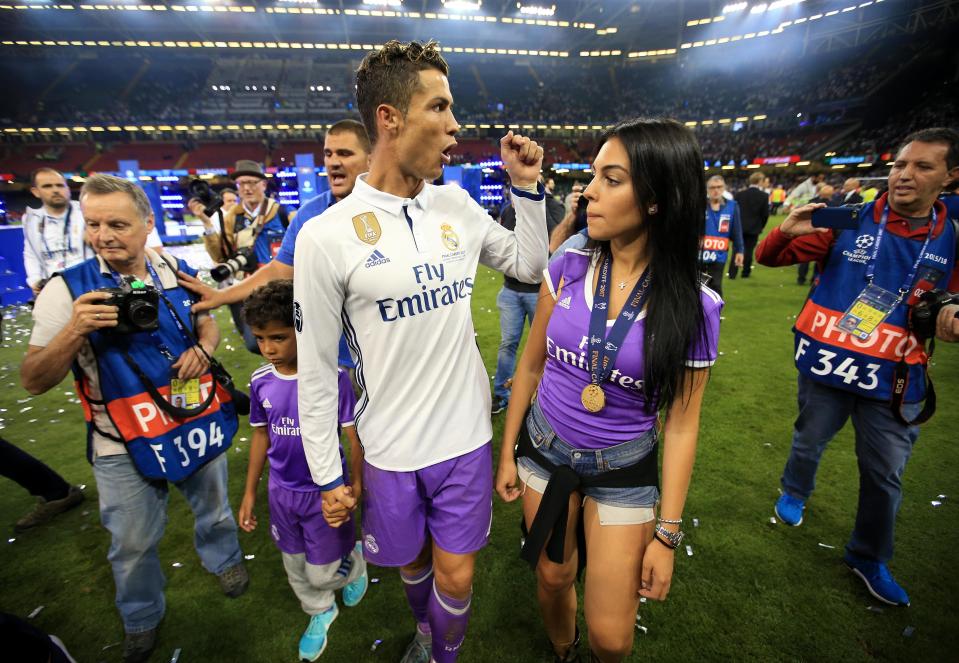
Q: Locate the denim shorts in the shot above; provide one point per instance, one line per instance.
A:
(616, 506)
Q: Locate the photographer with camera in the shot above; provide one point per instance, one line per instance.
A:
(860, 339)
(156, 412)
(250, 235)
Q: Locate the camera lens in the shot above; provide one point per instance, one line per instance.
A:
(220, 273)
(142, 314)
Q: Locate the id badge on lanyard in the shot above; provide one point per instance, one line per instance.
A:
(183, 393)
(874, 304)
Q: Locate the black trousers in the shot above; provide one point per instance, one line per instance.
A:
(714, 270)
(749, 245)
(37, 478)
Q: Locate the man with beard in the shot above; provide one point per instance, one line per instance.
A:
(52, 235)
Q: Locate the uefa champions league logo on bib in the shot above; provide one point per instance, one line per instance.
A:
(865, 241)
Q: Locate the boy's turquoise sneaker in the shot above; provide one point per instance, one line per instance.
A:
(789, 509)
(354, 592)
(313, 641)
(878, 580)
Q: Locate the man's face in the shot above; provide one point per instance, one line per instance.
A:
(52, 190)
(827, 191)
(426, 134)
(550, 184)
(917, 176)
(345, 160)
(229, 199)
(277, 343)
(252, 190)
(114, 228)
(715, 189)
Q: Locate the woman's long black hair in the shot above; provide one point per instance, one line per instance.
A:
(666, 167)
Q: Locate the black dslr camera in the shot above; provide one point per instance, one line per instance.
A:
(243, 261)
(211, 200)
(138, 306)
(924, 313)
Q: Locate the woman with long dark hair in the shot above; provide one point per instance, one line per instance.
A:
(623, 331)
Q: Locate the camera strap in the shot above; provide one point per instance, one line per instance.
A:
(186, 333)
(900, 385)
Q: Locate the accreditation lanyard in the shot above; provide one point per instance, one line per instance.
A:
(67, 238)
(874, 304)
(880, 233)
(155, 335)
(604, 349)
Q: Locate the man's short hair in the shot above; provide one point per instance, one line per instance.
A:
(716, 178)
(44, 169)
(940, 135)
(230, 189)
(756, 178)
(355, 128)
(272, 302)
(102, 184)
(390, 75)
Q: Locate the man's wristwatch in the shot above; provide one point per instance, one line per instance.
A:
(673, 538)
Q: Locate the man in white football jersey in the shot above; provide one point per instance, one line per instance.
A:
(393, 266)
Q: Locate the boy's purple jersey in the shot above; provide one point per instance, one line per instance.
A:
(625, 416)
(273, 403)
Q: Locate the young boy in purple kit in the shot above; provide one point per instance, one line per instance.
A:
(318, 558)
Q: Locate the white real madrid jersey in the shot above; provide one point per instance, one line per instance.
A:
(397, 275)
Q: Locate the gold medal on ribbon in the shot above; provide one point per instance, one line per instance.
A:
(593, 398)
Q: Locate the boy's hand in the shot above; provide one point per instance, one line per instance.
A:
(245, 515)
(337, 505)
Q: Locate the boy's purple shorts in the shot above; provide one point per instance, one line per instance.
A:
(451, 501)
(297, 526)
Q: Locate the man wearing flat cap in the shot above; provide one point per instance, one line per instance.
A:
(257, 222)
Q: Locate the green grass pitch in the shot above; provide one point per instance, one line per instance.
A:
(752, 590)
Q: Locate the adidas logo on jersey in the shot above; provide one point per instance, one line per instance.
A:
(267, 405)
(376, 258)
(565, 302)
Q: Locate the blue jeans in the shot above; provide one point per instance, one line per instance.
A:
(134, 511)
(883, 446)
(590, 462)
(514, 308)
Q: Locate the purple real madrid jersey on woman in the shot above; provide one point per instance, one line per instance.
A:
(625, 415)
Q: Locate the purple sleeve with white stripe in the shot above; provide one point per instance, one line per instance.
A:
(706, 350)
(553, 273)
(257, 413)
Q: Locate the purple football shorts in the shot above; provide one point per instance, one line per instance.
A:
(297, 526)
(452, 501)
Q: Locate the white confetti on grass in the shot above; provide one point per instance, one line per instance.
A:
(826, 545)
(36, 611)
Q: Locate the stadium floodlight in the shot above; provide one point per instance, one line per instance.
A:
(758, 9)
(462, 5)
(383, 3)
(734, 7)
(536, 10)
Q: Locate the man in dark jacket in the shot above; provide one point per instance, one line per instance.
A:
(754, 212)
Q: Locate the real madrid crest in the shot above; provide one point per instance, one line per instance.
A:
(450, 239)
(367, 227)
